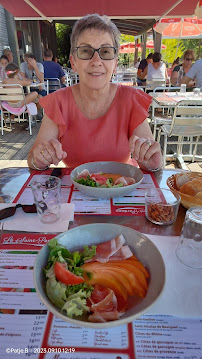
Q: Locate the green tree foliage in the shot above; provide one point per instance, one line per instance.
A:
(174, 49)
(63, 43)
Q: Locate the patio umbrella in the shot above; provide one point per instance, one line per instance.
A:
(129, 47)
(180, 28)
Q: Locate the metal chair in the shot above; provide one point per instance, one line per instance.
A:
(151, 84)
(15, 93)
(156, 121)
(52, 84)
(185, 125)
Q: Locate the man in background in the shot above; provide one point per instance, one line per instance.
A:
(195, 73)
(143, 64)
(52, 69)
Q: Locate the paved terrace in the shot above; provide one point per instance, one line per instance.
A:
(16, 143)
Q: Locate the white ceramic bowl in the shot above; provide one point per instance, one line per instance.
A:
(89, 234)
(108, 167)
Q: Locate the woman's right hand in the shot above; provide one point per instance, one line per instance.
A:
(47, 153)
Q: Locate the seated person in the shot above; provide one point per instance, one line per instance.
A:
(141, 81)
(52, 69)
(8, 53)
(95, 119)
(13, 77)
(195, 72)
(4, 61)
(181, 70)
(155, 70)
(30, 69)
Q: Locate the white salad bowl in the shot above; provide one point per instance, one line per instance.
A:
(90, 234)
(107, 167)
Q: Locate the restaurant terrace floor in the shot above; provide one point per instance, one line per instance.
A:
(16, 143)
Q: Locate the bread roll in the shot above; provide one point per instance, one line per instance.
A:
(192, 187)
(181, 179)
(199, 195)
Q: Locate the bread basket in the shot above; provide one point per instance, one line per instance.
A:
(186, 200)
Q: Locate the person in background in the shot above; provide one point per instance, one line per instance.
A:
(4, 61)
(155, 70)
(52, 69)
(34, 71)
(181, 70)
(8, 53)
(141, 81)
(195, 72)
(95, 119)
(13, 77)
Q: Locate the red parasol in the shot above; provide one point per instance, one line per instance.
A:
(179, 28)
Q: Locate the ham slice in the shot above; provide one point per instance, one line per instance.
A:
(83, 174)
(125, 180)
(123, 253)
(107, 249)
(103, 305)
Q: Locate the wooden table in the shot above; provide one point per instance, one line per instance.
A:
(12, 179)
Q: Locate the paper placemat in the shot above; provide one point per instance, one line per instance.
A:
(183, 288)
(30, 222)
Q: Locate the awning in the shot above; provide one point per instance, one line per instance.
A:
(123, 12)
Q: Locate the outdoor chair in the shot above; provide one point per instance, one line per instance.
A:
(151, 84)
(15, 93)
(160, 119)
(52, 84)
(186, 125)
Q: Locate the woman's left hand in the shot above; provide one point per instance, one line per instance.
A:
(145, 151)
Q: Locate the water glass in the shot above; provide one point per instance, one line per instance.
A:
(197, 91)
(189, 250)
(47, 196)
(183, 88)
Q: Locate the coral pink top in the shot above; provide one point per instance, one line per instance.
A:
(106, 137)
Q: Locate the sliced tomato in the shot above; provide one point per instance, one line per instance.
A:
(99, 178)
(65, 276)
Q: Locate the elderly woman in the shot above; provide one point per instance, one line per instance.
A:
(95, 120)
(180, 71)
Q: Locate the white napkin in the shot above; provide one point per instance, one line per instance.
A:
(30, 222)
(183, 288)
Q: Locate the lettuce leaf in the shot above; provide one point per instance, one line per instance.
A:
(56, 292)
(76, 304)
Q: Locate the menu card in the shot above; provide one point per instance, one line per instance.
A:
(27, 328)
(130, 205)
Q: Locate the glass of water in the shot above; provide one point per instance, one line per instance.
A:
(189, 250)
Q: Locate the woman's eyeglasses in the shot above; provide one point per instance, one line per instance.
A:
(10, 211)
(189, 59)
(87, 52)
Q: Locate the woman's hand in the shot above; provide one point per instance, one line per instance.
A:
(146, 152)
(47, 153)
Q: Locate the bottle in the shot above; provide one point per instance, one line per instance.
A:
(180, 76)
(34, 77)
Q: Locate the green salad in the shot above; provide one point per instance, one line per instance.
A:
(65, 286)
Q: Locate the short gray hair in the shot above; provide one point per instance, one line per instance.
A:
(98, 22)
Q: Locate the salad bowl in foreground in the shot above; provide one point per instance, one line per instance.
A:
(90, 234)
(122, 169)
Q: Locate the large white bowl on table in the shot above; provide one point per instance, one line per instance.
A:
(107, 167)
(89, 234)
